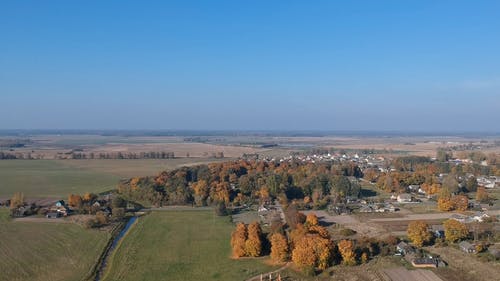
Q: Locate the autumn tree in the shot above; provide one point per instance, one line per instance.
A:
(444, 201)
(418, 232)
(311, 220)
(201, 192)
(312, 251)
(253, 244)
(460, 202)
(75, 200)
(482, 195)
(101, 218)
(471, 184)
(89, 197)
(279, 247)
(17, 200)
(238, 238)
(455, 230)
(346, 249)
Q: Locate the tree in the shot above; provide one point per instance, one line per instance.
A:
(471, 184)
(460, 202)
(17, 200)
(253, 244)
(418, 232)
(220, 209)
(451, 183)
(75, 200)
(346, 248)
(89, 197)
(311, 220)
(312, 251)
(442, 155)
(455, 230)
(482, 195)
(118, 213)
(279, 247)
(444, 200)
(303, 255)
(118, 202)
(238, 238)
(101, 218)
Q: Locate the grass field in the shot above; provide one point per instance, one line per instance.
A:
(189, 245)
(58, 178)
(47, 251)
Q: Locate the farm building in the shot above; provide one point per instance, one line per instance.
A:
(425, 262)
(404, 198)
(467, 247)
(53, 215)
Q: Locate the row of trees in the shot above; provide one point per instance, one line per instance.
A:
(243, 181)
(419, 234)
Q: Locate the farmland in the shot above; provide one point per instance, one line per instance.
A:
(188, 245)
(58, 178)
(47, 251)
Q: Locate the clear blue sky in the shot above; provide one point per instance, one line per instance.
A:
(289, 65)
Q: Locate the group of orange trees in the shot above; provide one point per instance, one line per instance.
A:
(419, 234)
(307, 244)
(243, 181)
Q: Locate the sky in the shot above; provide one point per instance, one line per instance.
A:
(250, 65)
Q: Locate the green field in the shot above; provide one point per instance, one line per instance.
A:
(188, 245)
(58, 178)
(47, 251)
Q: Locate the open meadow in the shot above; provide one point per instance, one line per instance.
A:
(47, 251)
(187, 245)
(58, 178)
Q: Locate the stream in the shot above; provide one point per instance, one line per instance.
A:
(110, 249)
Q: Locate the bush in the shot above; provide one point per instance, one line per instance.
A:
(220, 209)
(347, 232)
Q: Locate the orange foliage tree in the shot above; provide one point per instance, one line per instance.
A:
(418, 232)
(346, 249)
(481, 194)
(253, 244)
(460, 202)
(75, 200)
(455, 230)
(238, 238)
(279, 247)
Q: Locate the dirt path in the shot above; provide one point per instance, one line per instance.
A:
(265, 275)
(44, 220)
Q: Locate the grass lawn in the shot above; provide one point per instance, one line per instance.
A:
(47, 251)
(50, 178)
(188, 245)
(58, 178)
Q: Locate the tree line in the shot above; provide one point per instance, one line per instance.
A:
(243, 182)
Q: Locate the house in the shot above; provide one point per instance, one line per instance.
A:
(404, 198)
(53, 215)
(60, 203)
(438, 231)
(413, 187)
(480, 217)
(424, 262)
(404, 248)
(467, 247)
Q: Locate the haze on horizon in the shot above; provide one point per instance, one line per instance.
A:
(250, 65)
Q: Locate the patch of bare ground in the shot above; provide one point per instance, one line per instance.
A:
(464, 267)
(403, 274)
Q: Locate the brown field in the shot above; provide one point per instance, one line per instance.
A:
(465, 267)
